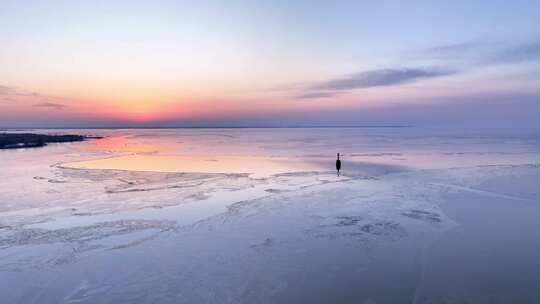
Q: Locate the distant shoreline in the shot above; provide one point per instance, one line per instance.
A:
(32, 140)
(207, 127)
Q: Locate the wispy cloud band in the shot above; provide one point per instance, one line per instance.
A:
(382, 77)
(370, 79)
(56, 106)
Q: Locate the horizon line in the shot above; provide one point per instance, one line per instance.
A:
(210, 127)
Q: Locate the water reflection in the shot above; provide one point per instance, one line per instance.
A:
(125, 144)
(268, 152)
(257, 166)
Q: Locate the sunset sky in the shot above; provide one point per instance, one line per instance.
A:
(269, 63)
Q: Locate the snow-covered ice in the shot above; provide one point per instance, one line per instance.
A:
(260, 216)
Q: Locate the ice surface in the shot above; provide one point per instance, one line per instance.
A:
(130, 218)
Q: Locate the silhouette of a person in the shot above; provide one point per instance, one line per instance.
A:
(338, 164)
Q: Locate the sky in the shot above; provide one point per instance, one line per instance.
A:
(269, 63)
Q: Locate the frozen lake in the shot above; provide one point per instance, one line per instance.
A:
(260, 216)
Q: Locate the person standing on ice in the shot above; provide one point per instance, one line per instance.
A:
(338, 164)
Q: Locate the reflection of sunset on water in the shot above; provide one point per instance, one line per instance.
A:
(258, 166)
(262, 154)
(124, 144)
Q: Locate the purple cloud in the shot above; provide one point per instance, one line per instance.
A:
(377, 78)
